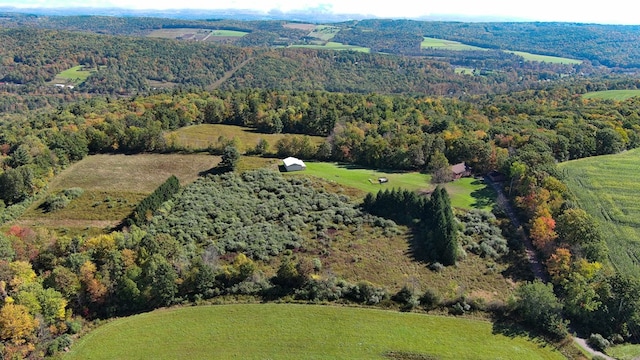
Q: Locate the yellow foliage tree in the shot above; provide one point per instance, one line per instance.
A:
(16, 324)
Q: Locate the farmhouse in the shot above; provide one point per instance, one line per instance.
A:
(459, 170)
(293, 164)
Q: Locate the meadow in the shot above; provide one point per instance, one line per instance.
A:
(441, 44)
(195, 34)
(612, 94)
(113, 185)
(331, 45)
(607, 187)
(324, 32)
(545, 58)
(199, 137)
(287, 331)
(465, 193)
(76, 75)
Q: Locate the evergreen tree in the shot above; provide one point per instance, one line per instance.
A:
(230, 158)
(444, 237)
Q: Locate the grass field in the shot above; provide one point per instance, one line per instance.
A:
(442, 44)
(612, 94)
(286, 331)
(546, 58)
(201, 136)
(334, 46)
(464, 70)
(607, 187)
(465, 193)
(76, 76)
(113, 185)
(624, 351)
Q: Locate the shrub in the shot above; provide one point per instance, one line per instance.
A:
(430, 299)
(365, 292)
(598, 342)
(55, 202)
(406, 298)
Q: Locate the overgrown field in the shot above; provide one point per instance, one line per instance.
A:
(285, 331)
(612, 94)
(205, 135)
(607, 187)
(112, 185)
(465, 193)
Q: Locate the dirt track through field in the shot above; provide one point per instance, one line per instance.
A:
(41, 222)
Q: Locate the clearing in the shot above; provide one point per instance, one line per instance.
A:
(196, 34)
(74, 76)
(330, 45)
(619, 95)
(287, 331)
(465, 193)
(199, 137)
(113, 185)
(607, 187)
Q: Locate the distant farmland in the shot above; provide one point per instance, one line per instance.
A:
(286, 331)
(612, 94)
(334, 46)
(607, 187)
(196, 34)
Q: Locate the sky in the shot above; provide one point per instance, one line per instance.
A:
(603, 12)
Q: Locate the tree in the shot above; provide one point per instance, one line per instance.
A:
(444, 233)
(440, 168)
(538, 306)
(16, 324)
(230, 157)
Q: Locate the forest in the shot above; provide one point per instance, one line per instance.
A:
(273, 236)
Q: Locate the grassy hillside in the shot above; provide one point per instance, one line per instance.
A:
(465, 193)
(612, 94)
(607, 187)
(284, 331)
(113, 185)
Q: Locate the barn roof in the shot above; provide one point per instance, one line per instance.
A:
(459, 168)
(293, 161)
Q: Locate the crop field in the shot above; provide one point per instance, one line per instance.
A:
(113, 185)
(334, 46)
(287, 331)
(465, 193)
(442, 44)
(607, 187)
(545, 58)
(201, 136)
(612, 94)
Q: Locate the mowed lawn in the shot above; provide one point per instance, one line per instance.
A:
(546, 58)
(607, 187)
(287, 331)
(465, 193)
(201, 136)
(612, 94)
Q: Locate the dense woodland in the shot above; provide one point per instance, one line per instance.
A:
(382, 111)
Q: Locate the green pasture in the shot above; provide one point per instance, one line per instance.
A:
(465, 193)
(228, 33)
(612, 94)
(442, 44)
(545, 58)
(334, 46)
(199, 137)
(76, 75)
(287, 331)
(464, 70)
(607, 187)
(624, 351)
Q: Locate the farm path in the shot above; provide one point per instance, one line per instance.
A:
(227, 75)
(534, 262)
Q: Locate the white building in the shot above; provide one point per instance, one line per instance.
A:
(294, 164)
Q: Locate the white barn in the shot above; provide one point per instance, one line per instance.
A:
(293, 164)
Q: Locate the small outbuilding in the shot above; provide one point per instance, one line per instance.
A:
(293, 164)
(460, 170)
